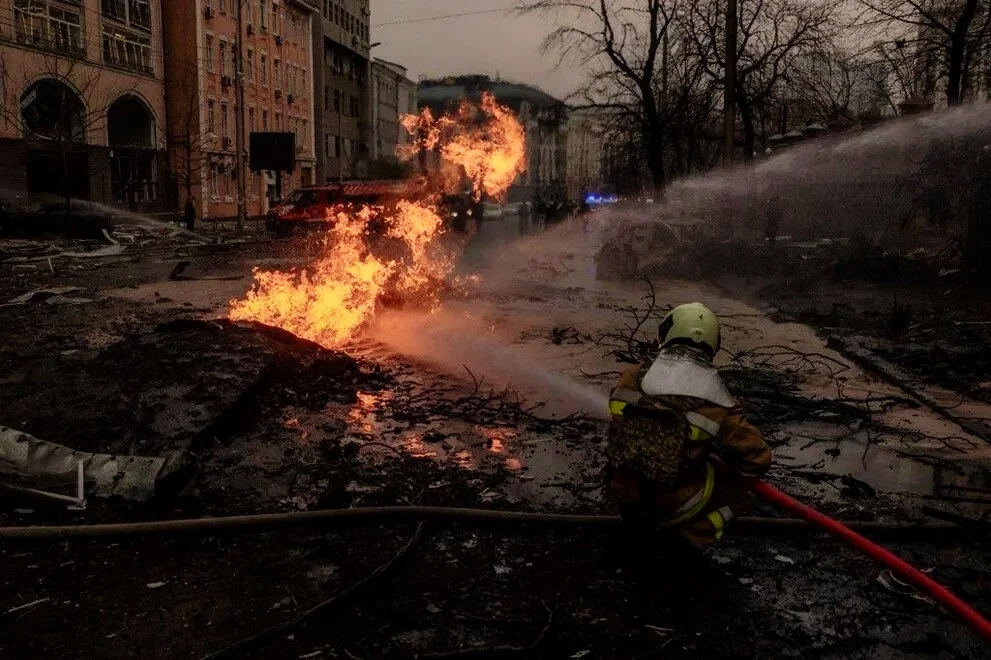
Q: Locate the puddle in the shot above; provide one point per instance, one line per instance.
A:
(902, 468)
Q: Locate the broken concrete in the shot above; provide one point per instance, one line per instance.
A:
(24, 459)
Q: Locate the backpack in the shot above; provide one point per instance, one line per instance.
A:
(650, 440)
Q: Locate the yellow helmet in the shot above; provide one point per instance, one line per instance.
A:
(693, 324)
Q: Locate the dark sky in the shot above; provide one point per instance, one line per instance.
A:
(488, 43)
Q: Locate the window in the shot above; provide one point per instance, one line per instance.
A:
(224, 128)
(139, 13)
(224, 59)
(223, 6)
(326, 144)
(275, 19)
(208, 47)
(337, 100)
(278, 121)
(354, 106)
(114, 9)
(305, 85)
(211, 117)
(251, 120)
(215, 180)
(337, 146)
(251, 65)
(263, 13)
(336, 18)
(263, 74)
(265, 120)
(326, 97)
(126, 49)
(48, 26)
(275, 72)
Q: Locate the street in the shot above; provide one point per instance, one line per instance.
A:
(416, 411)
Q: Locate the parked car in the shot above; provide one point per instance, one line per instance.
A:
(492, 211)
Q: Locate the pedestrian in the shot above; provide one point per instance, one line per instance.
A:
(678, 450)
(189, 216)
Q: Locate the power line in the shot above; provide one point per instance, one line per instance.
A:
(426, 19)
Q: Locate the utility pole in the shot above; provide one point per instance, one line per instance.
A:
(242, 210)
(729, 90)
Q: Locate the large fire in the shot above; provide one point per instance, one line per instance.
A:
(332, 300)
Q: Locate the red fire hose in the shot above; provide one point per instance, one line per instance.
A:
(938, 592)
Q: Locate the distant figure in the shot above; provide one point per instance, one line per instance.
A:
(189, 216)
(524, 218)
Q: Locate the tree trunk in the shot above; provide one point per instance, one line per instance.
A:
(747, 120)
(957, 51)
(655, 159)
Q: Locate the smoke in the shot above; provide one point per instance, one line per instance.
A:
(454, 342)
(861, 181)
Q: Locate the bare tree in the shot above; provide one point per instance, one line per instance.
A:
(60, 106)
(946, 37)
(621, 42)
(188, 139)
(827, 81)
(774, 36)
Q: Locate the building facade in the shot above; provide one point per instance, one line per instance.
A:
(341, 47)
(200, 42)
(544, 117)
(586, 153)
(393, 96)
(83, 107)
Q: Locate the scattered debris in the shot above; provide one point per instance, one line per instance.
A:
(889, 581)
(47, 295)
(109, 251)
(156, 585)
(27, 606)
(29, 463)
(783, 559)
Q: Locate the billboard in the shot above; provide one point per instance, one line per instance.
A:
(272, 151)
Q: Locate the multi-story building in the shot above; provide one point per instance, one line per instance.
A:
(586, 151)
(393, 96)
(543, 116)
(201, 42)
(83, 108)
(341, 48)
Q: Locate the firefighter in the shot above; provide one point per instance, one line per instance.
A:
(678, 449)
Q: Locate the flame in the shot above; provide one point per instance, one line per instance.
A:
(487, 141)
(330, 301)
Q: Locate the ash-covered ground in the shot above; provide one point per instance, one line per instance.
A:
(442, 410)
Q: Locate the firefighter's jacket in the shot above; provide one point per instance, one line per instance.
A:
(668, 419)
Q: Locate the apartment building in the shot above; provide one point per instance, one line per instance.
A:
(341, 46)
(201, 47)
(393, 96)
(83, 105)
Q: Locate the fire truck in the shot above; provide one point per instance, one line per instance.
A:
(317, 207)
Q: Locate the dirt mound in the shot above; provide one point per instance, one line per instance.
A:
(180, 387)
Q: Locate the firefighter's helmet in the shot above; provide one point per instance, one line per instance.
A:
(694, 325)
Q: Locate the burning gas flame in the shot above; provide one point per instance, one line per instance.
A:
(332, 300)
(486, 141)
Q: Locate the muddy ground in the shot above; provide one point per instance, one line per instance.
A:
(280, 424)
